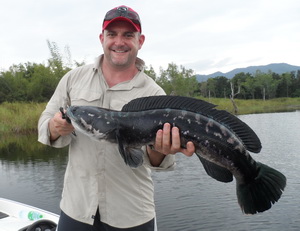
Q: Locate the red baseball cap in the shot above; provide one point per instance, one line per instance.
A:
(122, 13)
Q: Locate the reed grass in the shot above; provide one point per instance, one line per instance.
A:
(20, 118)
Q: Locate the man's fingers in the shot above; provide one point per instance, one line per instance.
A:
(158, 140)
(166, 139)
(190, 149)
(175, 139)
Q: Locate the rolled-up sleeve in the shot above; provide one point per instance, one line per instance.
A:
(168, 163)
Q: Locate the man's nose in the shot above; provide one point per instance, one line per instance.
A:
(119, 40)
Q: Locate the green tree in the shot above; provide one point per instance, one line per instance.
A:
(250, 86)
(284, 85)
(203, 89)
(34, 82)
(42, 85)
(14, 83)
(267, 84)
(238, 84)
(151, 72)
(178, 80)
(211, 87)
(295, 88)
(222, 87)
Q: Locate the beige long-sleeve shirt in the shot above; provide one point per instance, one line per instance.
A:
(96, 175)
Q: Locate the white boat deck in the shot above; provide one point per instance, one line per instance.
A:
(13, 222)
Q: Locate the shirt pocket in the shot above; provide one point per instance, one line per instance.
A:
(85, 97)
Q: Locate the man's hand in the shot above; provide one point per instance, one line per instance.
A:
(167, 141)
(59, 127)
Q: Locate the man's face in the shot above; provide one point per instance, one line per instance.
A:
(120, 44)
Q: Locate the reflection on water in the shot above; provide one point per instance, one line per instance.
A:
(187, 198)
(31, 173)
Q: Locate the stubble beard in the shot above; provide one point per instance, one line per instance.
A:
(121, 61)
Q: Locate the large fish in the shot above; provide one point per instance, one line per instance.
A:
(221, 141)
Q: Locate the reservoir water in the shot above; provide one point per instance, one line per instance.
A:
(187, 199)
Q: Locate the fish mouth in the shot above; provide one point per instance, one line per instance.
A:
(70, 114)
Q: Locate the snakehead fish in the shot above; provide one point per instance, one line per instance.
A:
(222, 141)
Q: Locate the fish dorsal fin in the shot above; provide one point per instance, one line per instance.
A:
(241, 129)
(165, 101)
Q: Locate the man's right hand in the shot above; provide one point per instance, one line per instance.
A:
(59, 127)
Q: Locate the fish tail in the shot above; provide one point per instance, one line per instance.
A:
(262, 192)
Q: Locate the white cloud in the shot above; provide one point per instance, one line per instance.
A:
(205, 36)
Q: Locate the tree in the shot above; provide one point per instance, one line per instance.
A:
(211, 87)
(284, 85)
(43, 84)
(151, 72)
(56, 63)
(250, 86)
(178, 80)
(267, 84)
(14, 83)
(233, 95)
(203, 89)
(295, 88)
(222, 87)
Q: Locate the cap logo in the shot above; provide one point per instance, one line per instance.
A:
(122, 10)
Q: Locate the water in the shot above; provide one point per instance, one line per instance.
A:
(187, 198)
(33, 177)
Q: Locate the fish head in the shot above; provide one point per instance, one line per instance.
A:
(95, 121)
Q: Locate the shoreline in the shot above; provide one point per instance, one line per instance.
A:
(21, 118)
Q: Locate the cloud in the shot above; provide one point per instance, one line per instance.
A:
(205, 36)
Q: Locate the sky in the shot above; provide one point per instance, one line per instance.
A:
(206, 36)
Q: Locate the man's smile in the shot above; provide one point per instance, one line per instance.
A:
(119, 50)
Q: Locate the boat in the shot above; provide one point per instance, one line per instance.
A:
(16, 216)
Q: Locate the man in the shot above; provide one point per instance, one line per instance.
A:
(100, 191)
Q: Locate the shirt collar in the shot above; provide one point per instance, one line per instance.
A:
(136, 81)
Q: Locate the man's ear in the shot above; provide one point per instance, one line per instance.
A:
(101, 37)
(141, 40)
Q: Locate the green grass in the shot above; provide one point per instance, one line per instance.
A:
(257, 106)
(22, 118)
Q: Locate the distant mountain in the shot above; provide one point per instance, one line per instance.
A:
(278, 68)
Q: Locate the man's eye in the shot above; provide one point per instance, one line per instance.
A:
(110, 34)
(129, 35)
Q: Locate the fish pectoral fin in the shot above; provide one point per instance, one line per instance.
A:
(136, 156)
(215, 171)
(133, 157)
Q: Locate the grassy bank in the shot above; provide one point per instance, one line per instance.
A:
(257, 106)
(22, 118)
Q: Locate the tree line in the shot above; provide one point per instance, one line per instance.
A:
(259, 85)
(36, 82)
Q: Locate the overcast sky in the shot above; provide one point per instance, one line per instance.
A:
(206, 36)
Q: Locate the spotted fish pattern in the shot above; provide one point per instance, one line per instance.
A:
(222, 141)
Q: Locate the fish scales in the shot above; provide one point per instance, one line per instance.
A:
(221, 141)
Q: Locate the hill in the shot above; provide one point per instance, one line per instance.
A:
(278, 68)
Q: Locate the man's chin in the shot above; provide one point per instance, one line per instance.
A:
(120, 62)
